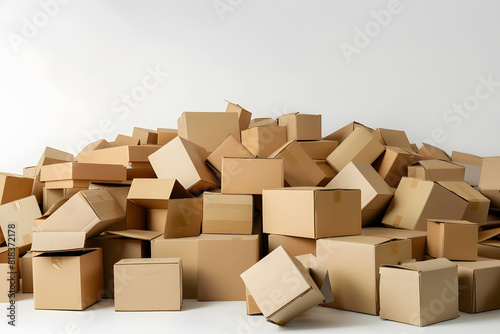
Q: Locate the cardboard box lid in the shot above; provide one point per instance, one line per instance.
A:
(146, 261)
(58, 241)
(464, 190)
(396, 138)
(155, 193)
(83, 171)
(433, 152)
(423, 266)
(393, 232)
(137, 234)
(257, 122)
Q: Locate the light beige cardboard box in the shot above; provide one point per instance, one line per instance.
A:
(230, 147)
(251, 175)
(436, 170)
(412, 292)
(359, 146)
(478, 205)
(68, 280)
(14, 187)
(319, 149)
(280, 274)
(166, 135)
(417, 200)
(252, 307)
(393, 164)
(145, 136)
(452, 239)
(255, 122)
(119, 191)
(123, 140)
(432, 152)
(148, 284)
(353, 263)
(186, 249)
(319, 273)
(375, 192)
(222, 258)
(244, 115)
(341, 134)
(489, 184)
(293, 245)
(21, 214)
(312, 212)
(26, 271)
(418, 238)
(227, 214)
(329, 172)
(125, 155)
(10, 256)
(301, 126)
(396, 138)
(262, 141)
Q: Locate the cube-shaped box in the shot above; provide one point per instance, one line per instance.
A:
(71, 280)
(393, 164)
(319, 149)
(262, 141)
(413, 292)
(227, 213)
(489, 183)
(341, 134)
(148, 284)
(478, 205)
(145, 136)
(436, 170)
(452, 239)
(418, 238)
(312, 212)
(293, 245)
(396, 138)
(244, 115)
(16, 221)
(14, 187)
(301, 126)
(230, 147)
(432, 152)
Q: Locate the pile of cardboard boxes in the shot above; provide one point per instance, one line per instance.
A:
(267, 211)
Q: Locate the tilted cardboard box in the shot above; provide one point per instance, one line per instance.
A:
(293, 245)
(262, 141)
(14, 187)
(21, 214)
(466, 158)
(244, 115)
(319, 149)
(230, 147)
(452, 239)
(262, 122)
(145, 136)
(393, 164)
(329, 172)
(432, 152)
(227, 214)
(301, 126)
(395, 138)
(166, 135)
(119, 191)
(94, 146)
(341, 134)
(123, 140)
(489, 184)
(418, 238)
(436, 170)
(478, 205)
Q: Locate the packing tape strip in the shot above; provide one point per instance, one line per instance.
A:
(414, 183)
(56, 262)
(16, 206)
(100, 197)
(288, 157)
(397, 221)
(337, 196)
(394, 248)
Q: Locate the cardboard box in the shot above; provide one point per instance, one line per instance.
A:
(417, 200)
(244, 115)
(252, 307)
(341, 134)
(301, 126)
(293, 245)
(436, 170)
(119, 192)
(185, 161)
(122, 140)
(4, 283)
(208, 129)
(10, 257)
(187, 250)
(148, 284)
(251, 175)
(452, 239)
(489, 184)
(26, 271)
(14, 187)
(227, 214)
(311, 212)
(359, 146)
(466, 158)
(145, 136)
(489, 249)
(67, 280)
(166, 135)
(52, 156)
(121, 155)
(319, 273)
(393, 164)
(280, 274)
(478, 282)
(222, 258)
(413, 292)
(262, 141)
(375, 192)
(394, 138)
(262, 122)
(353, 263)
(432, 152)
(83, 173)
(96, 145)
(20, 213)
(478, 205)
(319, 149)
(230, 147)
(327, 170)
(29, 172)
(418, 238)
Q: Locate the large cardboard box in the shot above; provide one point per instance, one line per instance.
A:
(466, 158)
(396, 138)
(478, 205)
(14, 187)
(393, 164)
(281, 287)
(489, 184)
(187, 250)
(70, 280)
(419, 293)
(145, 136)
(16, 221)
(418, 238)
(166, 135)
(375, 192)
(222, 258)
(312, 212)
(359, 146)
(148, 284)
(301, 126)
(319, 149)
(452, 239)
(230, 147)
(244, 115)
(127, 155)
(293, 245)
(417, 200)
(185, 161)
(227, 214)
(341, 134)
(251, 175)
(432, 152)
(26, 271)
(353, 263)
(262, 141)
(436, 170)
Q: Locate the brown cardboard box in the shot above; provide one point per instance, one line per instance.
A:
(208, 129)
(51, 196)
(263, 122)
(319, 273)
(10, 257)
(145, 136)
(185, 161)
(29, 172)
(466, 158)
(418, 238)
(67, 280)
(262, 141)
(14, 187)
(26, 270)
(452, 239)
(119, 191)
(489, 249)
(375, 192)
(319, 149)
(431, 152)
(148, 284)
(122, 140)
(222, 258)
(166, 135)
(293, 245)
(327, 170)
(312, 212)
(393, 164)
(489, 184)
(359, 146)
(187, 250)
(341, 134)
(251, 175)
(301, 126)
(122, 155)
(230, 147)
(479, 288)
(477, 209)
(227, 214)
(281, 287)
(244, 115)
(419, 293)
(395, 138)
(97, 145)
(417, 200)
(353, 263)
(20, 213)
(436, 170)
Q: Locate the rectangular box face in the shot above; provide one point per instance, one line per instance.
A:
(301, 126)
(21, 214)
(13, 188)
(454, 240)
(293, 245)
(227, 214)
(83, 171)
(319, 149)
(230, 147)
(121, 155)
(262, 141)
(478, 205)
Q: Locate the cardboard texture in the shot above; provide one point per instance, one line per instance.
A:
(145, 136)
(81, 172)
(320, 275)
(327, 170)
(489, 249)
(7, 255)
(432, 152)
(280, 274)
(478, 205)
(227, 214)
(123, 140)
(166, 135)
(14, 187)
(67, 280)
(262, 122)
(126, 155)
(417, 200)
(353, 263)
(375, 192)
(452, 239)
(21, 214)
(119, 192)
(393, 164)
(489, 184)
(295, 246)
(301, 126)
(312, 212)
(411, 293)
(26, 270)
(466, 158)
(244, 115)
(222, 258)
(418, 238)
(230, 147)
(97, 145)
(4, 283)
(359, 146)
(319, 149)
(148, 284)
(396, 138)
(341, 134)
(252, 307)
(436, 170)
(262, 141)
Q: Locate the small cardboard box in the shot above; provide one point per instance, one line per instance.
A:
(14, 187)
(432, 152)
(281, 287)
(489, 184)
(121, 155)
(70, 280)
(393, 164)
(436, 170)
(418, 238)
(230, 147)
(353, 263)
(375, 192)
(166, 135)
(244, 115)
(145, 136)
(123, 140)
(293, 245)
(262, 141)
(301, 126)
(452, 239)
(251, 175)
(417, 200)
(478, 207)
(319, 149)
(227, 214)
(396, 138)
(21, 214)
(222, 258)
(311, 212)
(359, 146)
(466, 158)
(327, 170)
(148, 284)
(26, 270)
(419, 293)
(341, 134)
(263, 122)
(187, 250)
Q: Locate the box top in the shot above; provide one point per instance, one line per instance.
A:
(451, 221)
(392, 232)
(464, 190)
(155, 193)
(424, 266)
(480, 263)
(466, 158)
(437, 164)
(124, 262)
(224, 237)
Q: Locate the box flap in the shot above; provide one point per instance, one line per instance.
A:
(137, 234)
(451, 221)
(437, 164)
(464, 190)
(103, 204)
(173, 260)
(58, 241)
(423, 266)
(488, 234)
